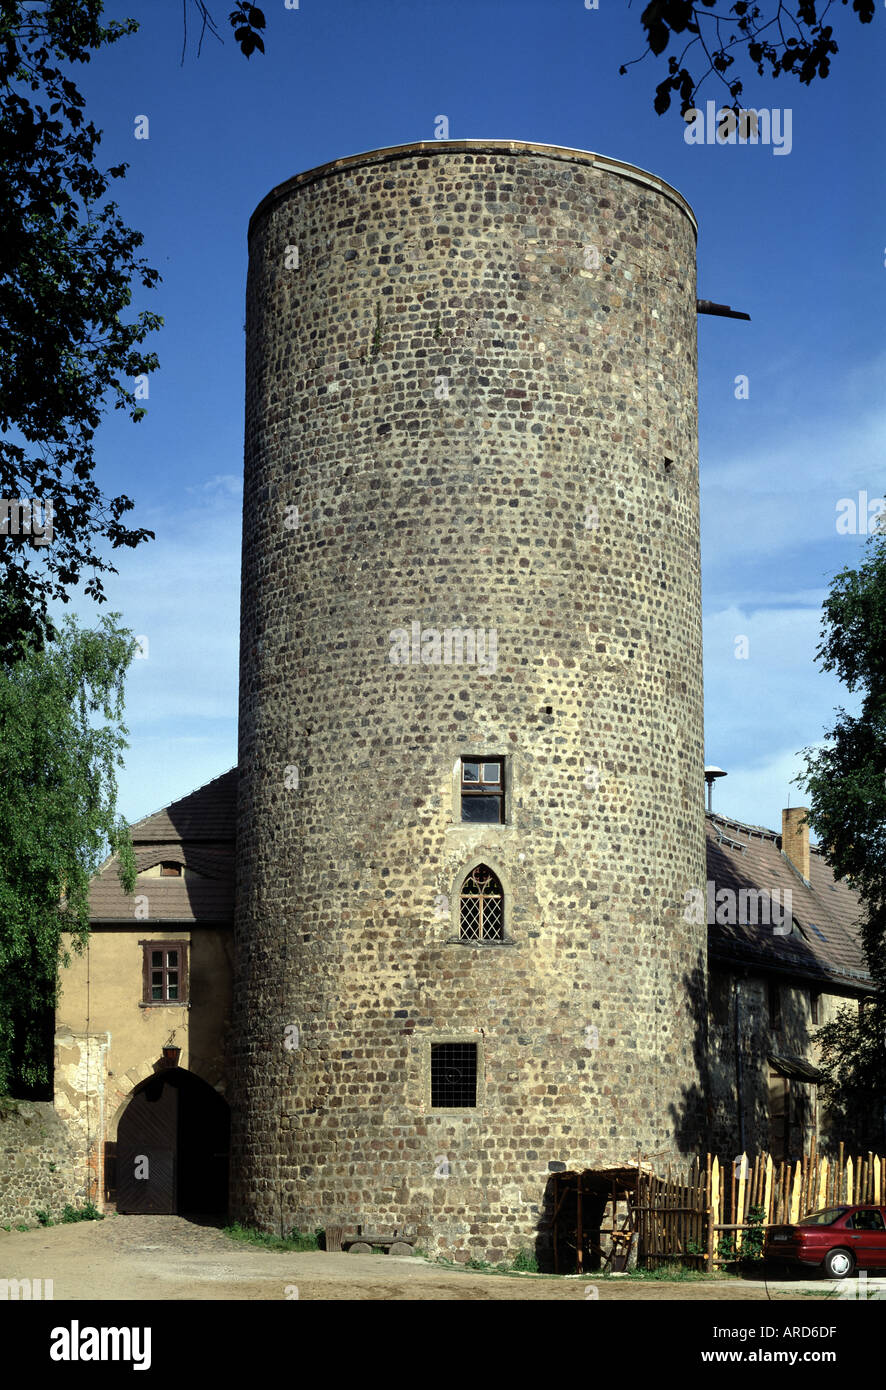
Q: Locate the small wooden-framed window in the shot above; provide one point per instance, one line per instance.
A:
(483, 790)
(815, 1008)
(170, 870)
(481, 907)
(453, 1075)
(165, 972)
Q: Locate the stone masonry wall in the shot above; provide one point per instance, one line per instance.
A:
(39, 1169)
(471, 403)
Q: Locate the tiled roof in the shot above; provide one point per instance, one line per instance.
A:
(827, 912)
(161, 900)
(208, 814)
(197, 831)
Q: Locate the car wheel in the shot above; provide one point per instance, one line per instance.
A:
(839, 1263)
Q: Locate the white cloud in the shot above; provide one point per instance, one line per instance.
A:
(222, 484)
(763, 709)
(785, 496)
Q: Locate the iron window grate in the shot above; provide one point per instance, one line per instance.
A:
(453, 1075)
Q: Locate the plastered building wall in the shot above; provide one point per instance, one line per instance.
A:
(108, 1041)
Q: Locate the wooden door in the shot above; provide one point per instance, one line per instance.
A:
(779, 1116)
(146, 1150)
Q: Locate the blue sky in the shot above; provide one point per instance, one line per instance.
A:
(796, 239)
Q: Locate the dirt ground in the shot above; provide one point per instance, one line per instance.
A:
(169, 1257)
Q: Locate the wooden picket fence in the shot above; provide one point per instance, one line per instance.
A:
(690, 1216)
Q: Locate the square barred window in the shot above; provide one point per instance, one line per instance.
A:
(453, 1075)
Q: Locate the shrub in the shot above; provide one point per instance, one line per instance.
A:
(88, 1212)
(524, 1262)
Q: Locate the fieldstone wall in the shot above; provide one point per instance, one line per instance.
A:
(39, 1170)
(471, 404)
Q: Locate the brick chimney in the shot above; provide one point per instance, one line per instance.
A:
(795, 838)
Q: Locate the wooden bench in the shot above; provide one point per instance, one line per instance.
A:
(360, 1242)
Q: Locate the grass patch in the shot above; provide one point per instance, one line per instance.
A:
(661, 1274)
(296, 1240)
(88, 1212)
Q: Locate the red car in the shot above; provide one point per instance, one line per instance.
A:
(838, 1239)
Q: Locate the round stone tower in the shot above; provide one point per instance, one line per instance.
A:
(471, 754)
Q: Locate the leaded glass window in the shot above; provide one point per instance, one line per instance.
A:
(482, 906)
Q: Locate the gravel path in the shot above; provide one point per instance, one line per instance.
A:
(163, 1257)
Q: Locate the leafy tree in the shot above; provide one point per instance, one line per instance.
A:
(57, 817)
(853, 1084)
(846, 784)
(776, 37)
(68, 264)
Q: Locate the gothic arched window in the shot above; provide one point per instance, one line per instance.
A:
(482, 906)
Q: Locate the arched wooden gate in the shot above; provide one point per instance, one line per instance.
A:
(172, 1147)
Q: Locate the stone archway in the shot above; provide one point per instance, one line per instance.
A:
(126, 1085)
